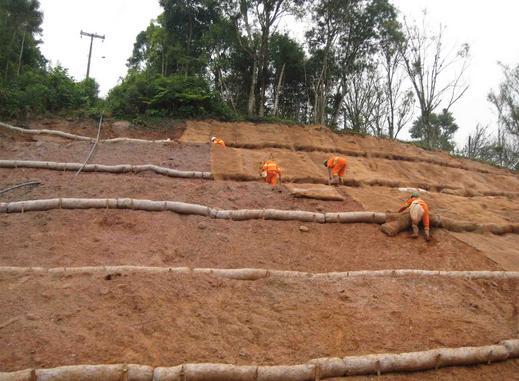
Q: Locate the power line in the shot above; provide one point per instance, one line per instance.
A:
(92, 36)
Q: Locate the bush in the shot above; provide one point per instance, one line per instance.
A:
(175, 96)
(38, 92)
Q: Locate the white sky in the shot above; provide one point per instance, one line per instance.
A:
(490, 27)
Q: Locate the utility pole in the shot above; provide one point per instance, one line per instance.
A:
(92, 36)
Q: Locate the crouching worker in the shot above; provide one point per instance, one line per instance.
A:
(419, 211)
(218, 141)
(336, 167)
(271, 172)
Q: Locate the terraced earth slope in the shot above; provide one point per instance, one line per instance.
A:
(63, 302)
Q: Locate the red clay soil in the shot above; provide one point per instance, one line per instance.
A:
(189, 157)
(110, 237)
(166, 319)
(111, 128)
(51, 320)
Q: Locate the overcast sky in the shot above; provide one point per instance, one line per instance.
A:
(490, 27)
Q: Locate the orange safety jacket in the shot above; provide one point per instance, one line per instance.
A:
(418, 200)
(337, 164)
(219, 142)
(270, 166)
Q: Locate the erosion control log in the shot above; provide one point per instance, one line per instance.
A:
(120, 168)
(251, 274)
(391, 228)
(403, 222)
(321, 368)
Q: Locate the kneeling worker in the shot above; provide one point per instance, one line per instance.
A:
(419, 211)
(336, 167)
(271, 172)
(218, 141)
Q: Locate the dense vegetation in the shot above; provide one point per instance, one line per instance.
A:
(361, 69)
(28, 86)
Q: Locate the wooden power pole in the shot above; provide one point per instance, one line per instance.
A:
(92, 36)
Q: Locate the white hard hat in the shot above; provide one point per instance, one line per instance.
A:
(213, 138)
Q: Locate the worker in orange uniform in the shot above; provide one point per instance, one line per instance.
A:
(336, 167)
(218, 141)
(271, 172)
(419, 211)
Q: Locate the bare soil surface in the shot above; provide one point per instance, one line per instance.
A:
(189, 157)
(110, 128)
(166, 319)
(117, 237)
(49, 320)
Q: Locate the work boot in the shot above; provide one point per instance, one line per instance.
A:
(427, 235)
(415, 232)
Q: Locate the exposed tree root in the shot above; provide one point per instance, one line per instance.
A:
(395, 225)
(251, 274)
(316, 369)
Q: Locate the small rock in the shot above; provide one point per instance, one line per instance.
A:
(32, 317)
(202, 226)
(104, 291)
(304, 228)
(112, 276)
(319, 208)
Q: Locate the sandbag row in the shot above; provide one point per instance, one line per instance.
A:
(68, 135)
(120, 168)
(258, 273)
(128, 168)
(186, 208)
(390, 226)
(356, 153)
(316, 369)
(383, 155)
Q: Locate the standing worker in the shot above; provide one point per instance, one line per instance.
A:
(419, 211)
(336, 167)
(218, 141)
(271, 172)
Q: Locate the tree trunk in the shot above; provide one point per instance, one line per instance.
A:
(263, 70)
(337, 104)
(21, 54)
(252, 91)
(278, 90)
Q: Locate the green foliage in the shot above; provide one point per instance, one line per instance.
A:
(20, 22)
(173, 96)
(437, 132)
(37, 92)
(506, 100)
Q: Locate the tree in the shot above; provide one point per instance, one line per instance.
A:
(177, 41)
(19, 28)
(437, 133)
(345, 34)
(399, 102)
(287, 76)
(478, 144)
(255, 22)
(364, 102)
(502, 150)
(506, 100)
(427, 66)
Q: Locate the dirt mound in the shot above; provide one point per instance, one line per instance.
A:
(315, 191)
